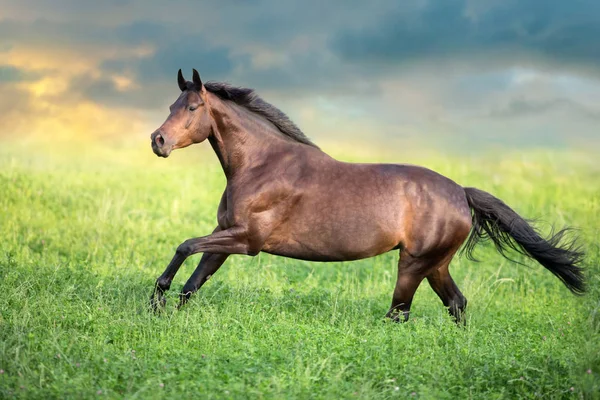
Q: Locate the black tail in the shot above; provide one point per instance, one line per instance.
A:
(492, 219)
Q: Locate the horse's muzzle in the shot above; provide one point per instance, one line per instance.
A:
(159, 147)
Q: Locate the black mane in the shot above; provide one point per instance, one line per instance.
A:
(248, 99)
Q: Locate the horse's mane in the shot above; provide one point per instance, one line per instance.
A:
(248, 99)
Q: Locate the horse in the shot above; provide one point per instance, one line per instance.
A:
(287, 197)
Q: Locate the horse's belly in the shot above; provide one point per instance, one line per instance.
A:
(332, 241)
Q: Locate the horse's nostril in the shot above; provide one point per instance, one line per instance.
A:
(159, 140)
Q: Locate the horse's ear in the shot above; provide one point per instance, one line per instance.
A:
(181, 81)
(196, 80)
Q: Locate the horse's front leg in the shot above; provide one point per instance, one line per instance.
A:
(234, 240)
(209, 264)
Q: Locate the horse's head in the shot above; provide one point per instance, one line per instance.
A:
(189, 121)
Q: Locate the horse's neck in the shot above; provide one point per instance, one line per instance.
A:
(239, 136)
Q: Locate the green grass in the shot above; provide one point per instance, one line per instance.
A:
(85, 234)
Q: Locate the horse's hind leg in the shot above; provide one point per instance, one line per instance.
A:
(443, 284)
(411, 271)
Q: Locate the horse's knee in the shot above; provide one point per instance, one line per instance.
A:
(184, 249)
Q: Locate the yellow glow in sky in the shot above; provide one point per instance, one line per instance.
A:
(52, 108)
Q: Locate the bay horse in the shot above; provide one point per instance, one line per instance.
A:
(285, 196)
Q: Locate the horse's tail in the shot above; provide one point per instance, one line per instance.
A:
(493, 219)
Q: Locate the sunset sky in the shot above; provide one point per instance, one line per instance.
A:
(461, 72)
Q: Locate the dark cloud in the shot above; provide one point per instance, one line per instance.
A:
(141, 32)
(43, 32)
(522, 107)
(559, 31)
(186, 54)
(156, 70)
(105, 91)
(11, 74)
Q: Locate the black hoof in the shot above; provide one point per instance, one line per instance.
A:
(183, 299)
(158, 303)
(460, 319)
(398, 316)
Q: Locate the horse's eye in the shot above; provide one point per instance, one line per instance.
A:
(192, 108)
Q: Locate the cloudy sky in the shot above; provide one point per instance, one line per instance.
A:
(458, 72)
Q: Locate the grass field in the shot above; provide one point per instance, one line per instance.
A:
(85, 233)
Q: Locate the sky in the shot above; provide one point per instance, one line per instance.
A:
(462, 73)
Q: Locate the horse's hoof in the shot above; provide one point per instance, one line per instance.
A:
(398, 316)
(157, 304)
(183, 299)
